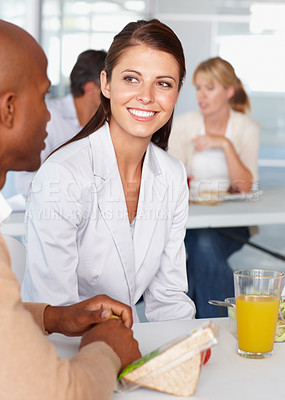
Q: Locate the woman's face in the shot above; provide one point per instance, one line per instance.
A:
(212, 98)
(143, 90)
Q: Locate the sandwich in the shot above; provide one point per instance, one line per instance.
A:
(173, 368)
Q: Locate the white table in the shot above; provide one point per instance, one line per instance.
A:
(268, 208)
(227, 376)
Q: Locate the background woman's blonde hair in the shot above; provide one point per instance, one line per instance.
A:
(224, 73)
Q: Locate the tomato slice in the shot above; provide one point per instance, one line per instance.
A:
(205, 355)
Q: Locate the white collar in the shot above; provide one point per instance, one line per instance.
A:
(5, 209)
(105, 161)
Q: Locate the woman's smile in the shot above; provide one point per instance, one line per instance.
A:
(142, 115)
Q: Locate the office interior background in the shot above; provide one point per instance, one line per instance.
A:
(249, 34)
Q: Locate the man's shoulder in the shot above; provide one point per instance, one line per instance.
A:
(54, 104)
(62, 107)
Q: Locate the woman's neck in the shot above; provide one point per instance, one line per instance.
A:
(217, 123)
(130, 155)
(130, 152)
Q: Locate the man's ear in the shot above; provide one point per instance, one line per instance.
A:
(105, 87)
(7, 109)
(89, 87)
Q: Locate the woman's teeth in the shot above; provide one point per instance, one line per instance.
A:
(143, 114)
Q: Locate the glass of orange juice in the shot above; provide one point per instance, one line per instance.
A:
(257, 293)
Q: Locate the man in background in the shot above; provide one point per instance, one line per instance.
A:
(70, 113)
(29, 365)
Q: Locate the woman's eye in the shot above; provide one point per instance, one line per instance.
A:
(130, 79)
(165, 84)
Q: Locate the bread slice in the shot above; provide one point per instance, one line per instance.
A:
(175, 367)
(207, 197)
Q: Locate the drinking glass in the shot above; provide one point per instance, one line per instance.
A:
(257, 293)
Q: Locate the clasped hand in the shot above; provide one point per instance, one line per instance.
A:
(76, 319)
(92, 319)
(203, 142)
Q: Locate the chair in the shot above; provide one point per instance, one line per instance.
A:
(18, 256)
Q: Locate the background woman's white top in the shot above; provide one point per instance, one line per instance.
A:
(209, 167)
(244, 134)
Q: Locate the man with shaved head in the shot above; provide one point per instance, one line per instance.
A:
(29, 366)
(70, 113)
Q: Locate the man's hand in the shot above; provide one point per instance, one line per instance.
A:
(76, 319)
(118, 337)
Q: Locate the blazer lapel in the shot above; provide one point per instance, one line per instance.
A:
(150, 207)
(111, 201)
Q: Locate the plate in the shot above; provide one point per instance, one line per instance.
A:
(217, 198)
(242, 196)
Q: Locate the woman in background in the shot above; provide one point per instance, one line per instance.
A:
(219, 147)
(101, 207)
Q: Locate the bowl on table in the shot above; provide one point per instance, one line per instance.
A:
(232, 315)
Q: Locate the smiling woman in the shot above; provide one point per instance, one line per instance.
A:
(123, 235)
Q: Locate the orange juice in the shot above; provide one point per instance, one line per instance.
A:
(256, 322)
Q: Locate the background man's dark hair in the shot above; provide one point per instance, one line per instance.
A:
(87, 68)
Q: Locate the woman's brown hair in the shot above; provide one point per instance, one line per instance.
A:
(224, 73)
(154, 34)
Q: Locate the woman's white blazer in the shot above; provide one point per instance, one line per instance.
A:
(79, 240)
